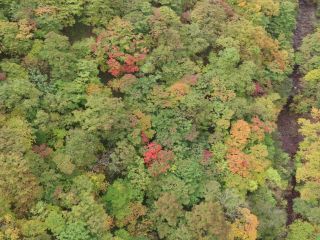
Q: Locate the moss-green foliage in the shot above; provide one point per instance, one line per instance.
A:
(282, 25)
(309, 61)
(301, 230)
(118, 198)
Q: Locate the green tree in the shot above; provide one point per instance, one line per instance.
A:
(15, 38)
(17, 93)
(308, 170)
(206, 220)
(82, 148)
(14, 188)
(167, 213)
(103, 114)
(301, 230)
(118, 199)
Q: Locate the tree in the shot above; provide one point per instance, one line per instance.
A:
(179, 6)
(138, 13)
(259, 12)
(119, 57)
(168, 211)
(247, 157)
(240, 133)
(100, 12)
(34, 228)
(16, 135)
(269, 55)
(14, 188)
(64, 163)
(118, 199)
(55, 51)
(123, 156)
(167, 215)
(93, 214)
(82, 148)
(15, 38)
(301, 230)
(308, 53)
(206, 220)
(245, 227)
(76, 231)
(9, 227)
(211, 17)
(272, 219)
(17, 93)
(103, 114)
(283, 24)
(156, 159)
(308, 170)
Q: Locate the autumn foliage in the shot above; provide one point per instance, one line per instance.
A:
(245, 227)
(157, 159)
(120, 63)
(43, 150)
(119, 57)
(241, 156)
(238, 162)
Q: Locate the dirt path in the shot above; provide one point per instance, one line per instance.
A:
(287, 120)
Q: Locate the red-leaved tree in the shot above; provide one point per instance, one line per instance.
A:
(118, 49)
(156, 159)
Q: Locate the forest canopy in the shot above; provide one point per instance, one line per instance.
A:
(155, 119)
